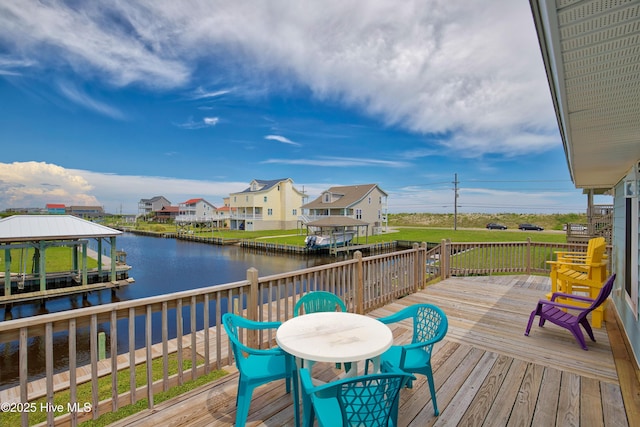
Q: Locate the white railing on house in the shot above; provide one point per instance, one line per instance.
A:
(364, 283)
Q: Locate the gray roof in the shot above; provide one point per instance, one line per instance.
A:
(264, 185)
(23, 228)
(350, 195)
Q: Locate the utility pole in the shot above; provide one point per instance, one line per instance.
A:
(455, 202)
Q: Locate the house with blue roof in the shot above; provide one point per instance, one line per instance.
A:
(266, 205)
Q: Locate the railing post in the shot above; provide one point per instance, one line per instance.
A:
(252, 305)
(359, 283)
(444, 259)
(423, 265)
(528, 255)
(416, 266)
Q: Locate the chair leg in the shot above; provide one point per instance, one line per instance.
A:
(243, 402)
(575, 330)
(531, 317)
(587, 327)
(432, 388)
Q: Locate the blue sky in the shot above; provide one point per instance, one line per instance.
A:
(105, 103)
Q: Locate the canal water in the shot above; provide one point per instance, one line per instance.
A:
(159, 266)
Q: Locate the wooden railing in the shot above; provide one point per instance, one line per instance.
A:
(153, 325)
(466, 259)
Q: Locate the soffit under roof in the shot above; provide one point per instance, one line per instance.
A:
(591, 51)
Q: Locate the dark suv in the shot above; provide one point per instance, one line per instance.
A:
(494, 226)
(531, 227)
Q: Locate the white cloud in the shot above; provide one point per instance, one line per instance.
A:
(469, 72)
(337, 162)
(282, 139)
(124, 46)
(34, 184)
(204, 123)
(200, 93)
(122, 192)
(83, 99)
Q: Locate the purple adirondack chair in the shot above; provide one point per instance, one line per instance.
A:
(554, 313)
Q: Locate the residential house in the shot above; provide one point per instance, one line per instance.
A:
(86, 212)
(148, 206)
(167, 214)
(56, 209)
(591, 57)
(364, 202)
(266, 205)
(196, 210)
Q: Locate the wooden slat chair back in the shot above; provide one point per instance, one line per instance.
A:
(583, 273)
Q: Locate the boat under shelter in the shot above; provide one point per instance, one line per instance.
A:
(28, 237)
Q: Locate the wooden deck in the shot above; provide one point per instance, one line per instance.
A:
(487, 373)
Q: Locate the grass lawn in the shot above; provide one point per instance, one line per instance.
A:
(436, 235)
(58, 258)
(61, 399)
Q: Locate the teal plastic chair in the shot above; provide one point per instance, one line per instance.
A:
(368, 400)
(256, 366)
(429, 326)
(319, 301)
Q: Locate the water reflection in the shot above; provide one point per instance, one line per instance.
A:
(160, 266)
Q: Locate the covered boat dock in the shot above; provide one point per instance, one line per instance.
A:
(337, 228)
(23, 235)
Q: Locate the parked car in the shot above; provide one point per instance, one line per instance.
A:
(494, 226)
(532, 227)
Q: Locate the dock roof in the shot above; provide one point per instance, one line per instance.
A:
(24, 228)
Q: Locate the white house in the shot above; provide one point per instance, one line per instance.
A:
(196, 210)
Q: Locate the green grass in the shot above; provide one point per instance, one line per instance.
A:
(436, 235)
(58, 258)
(84, 394)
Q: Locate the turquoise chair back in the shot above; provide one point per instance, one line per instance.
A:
(319, 301)
(368, 400)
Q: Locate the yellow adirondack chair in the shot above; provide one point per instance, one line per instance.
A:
(581, 272)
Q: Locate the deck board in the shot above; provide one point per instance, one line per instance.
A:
(486, 371)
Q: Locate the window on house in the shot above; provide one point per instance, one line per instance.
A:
(358, 213)
(265, 199)
(369, 200)
(269, 211)
(326, 198)
(295, 212)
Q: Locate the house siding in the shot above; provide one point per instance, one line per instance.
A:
(626, 277)
(268, 209)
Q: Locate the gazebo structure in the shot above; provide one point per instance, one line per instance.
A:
(20, 233)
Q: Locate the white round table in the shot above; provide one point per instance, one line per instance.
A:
(335, 337)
